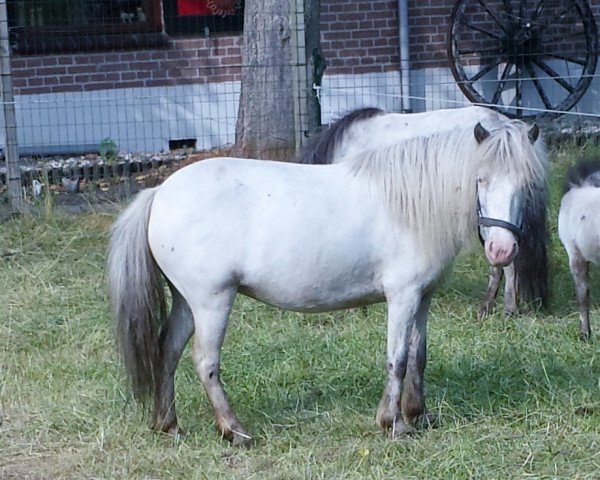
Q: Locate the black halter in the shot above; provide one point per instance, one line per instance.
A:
(495, 222)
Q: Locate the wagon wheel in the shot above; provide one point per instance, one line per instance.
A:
(525, 58)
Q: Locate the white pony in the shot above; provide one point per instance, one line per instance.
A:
(527, 277)
(382, 226)
(579, 230)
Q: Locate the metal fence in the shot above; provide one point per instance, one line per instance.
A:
(112, 89)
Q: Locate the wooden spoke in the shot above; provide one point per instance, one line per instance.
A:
(493, 15)
(519, 91)
(501, 83)
(507, 6)
(481, 51)
(537, 11)
(485, 32)
(522, 9)
(553, 21)
(566, 58)
(484, 71)
(554, 75)
(538, 86)
(557, 39)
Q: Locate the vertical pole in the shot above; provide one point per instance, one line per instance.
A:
(299, 69)
(403, 39)
(11, 154)
(316, 63)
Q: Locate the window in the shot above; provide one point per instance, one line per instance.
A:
(184, 17)
(57, 26)
(54, 26)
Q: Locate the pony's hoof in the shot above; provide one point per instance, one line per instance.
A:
(237, 436)
(168, 429)
(585, 335)
(428, 420)
(483, 312)
(175, 431)
(400, 429)
(240, 439)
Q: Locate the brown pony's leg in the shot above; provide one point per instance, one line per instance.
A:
(511, 294)
(413, 398)
(579, 269)
(211, 322)
(487, 306)
(177, 331)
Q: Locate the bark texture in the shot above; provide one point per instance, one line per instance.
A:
(265, 124)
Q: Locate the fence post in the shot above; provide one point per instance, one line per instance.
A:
(299, 72)
(316, 63)
(11, 153)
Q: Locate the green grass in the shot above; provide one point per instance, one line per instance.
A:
(519, 397)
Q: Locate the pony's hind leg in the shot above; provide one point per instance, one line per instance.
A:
(511, 294)
(211, 322)
(487, 305)
(177, 331)
(580, 271)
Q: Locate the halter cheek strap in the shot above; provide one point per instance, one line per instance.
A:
(494, 222)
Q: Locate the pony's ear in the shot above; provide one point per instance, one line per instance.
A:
(480, 133)
(533, 133)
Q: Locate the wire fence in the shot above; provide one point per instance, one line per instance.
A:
(106, 90)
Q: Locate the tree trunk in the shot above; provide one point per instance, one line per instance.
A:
(265, 124)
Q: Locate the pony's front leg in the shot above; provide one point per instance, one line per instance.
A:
(177, 331)
(401, 317)
(211, 321)
(413, 397)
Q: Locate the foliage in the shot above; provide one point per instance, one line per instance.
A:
(108, 149)
(519, 396)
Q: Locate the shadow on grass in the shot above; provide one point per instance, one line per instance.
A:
(506, 379)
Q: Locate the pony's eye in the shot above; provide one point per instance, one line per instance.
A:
(482, 181)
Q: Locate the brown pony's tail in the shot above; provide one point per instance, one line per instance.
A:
(137, 295)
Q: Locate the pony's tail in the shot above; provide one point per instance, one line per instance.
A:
(531, 263)
(137, 295)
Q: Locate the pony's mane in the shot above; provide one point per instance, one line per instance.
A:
(585, 173)
(429, 182)
(321, 150)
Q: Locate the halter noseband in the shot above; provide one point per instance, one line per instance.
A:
(494, 222)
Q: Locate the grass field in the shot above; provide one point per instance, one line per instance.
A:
(519, 397)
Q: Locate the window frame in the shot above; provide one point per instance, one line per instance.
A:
(32, 40)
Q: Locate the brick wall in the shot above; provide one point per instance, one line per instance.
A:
(357, 37)
(428, 23)
(183, 61)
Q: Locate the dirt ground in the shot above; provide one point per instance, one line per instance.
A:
(104, 194)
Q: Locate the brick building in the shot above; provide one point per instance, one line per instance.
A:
(159, 76)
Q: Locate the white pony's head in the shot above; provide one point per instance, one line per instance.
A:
(510, 166)
(435, 184)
